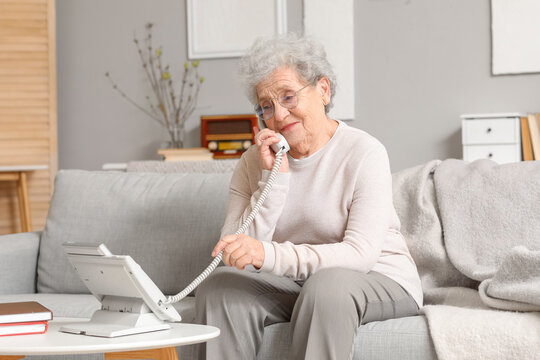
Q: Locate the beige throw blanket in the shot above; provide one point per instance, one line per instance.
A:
(416, 205)
(516, 284)
(464, 328)
(490, 218)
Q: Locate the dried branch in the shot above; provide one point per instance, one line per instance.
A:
(125, 96)
(168, 108)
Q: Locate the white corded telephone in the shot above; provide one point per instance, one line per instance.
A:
(280, 149)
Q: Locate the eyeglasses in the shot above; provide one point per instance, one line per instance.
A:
(288, 99)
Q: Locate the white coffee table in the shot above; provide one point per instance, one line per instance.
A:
(155, 345)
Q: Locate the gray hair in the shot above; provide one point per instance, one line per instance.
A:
(302, 53)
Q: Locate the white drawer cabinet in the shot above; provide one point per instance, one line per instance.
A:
(495, 137)
(501, 154)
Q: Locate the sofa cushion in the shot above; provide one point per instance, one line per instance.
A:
(18, 260)
(395, 339)
(168, 223)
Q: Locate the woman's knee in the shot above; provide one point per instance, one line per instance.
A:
(328, 287)
(224, 286)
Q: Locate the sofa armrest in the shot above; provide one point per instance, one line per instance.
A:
(18, 262)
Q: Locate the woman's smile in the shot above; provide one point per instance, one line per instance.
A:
(288, 127)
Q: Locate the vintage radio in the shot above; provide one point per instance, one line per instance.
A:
(227, 136)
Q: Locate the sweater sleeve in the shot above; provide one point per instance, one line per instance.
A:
(242, 199)
(364, 235)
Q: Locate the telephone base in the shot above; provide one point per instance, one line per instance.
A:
(110, 324)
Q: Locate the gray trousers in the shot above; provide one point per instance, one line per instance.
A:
(325, 312)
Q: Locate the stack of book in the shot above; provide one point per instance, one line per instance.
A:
(530, 137)
(187, 154)
(22, 318)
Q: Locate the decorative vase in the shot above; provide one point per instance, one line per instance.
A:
(176, 133)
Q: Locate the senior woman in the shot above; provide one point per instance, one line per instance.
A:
(325, 249)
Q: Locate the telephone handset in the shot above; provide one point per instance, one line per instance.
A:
(280, 149)
(281, 145)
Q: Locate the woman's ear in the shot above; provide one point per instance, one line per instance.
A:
(323, 85)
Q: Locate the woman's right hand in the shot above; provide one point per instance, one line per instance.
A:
(263, 139)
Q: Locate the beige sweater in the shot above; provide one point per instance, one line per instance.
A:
(332, 209)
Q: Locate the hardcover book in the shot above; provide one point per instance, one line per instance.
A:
(24, 328)
(28, 311)
(535, 135)
(526, 140)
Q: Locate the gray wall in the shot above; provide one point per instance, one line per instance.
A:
(419, 65)
(95, 124)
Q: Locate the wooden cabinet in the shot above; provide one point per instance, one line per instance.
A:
(28, 126)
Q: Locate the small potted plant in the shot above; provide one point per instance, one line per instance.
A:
(170, 103)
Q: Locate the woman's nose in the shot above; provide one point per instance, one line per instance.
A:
(280, 112)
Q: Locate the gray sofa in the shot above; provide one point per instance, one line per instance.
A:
(168, 222)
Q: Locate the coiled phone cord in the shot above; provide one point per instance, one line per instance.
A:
(199, 279)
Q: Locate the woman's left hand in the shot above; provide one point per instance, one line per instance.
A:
(240, 250)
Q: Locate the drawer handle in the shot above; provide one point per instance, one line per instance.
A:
(488, 130)
(490, 155)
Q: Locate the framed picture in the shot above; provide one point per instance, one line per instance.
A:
(514, 35)
(220, 29)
